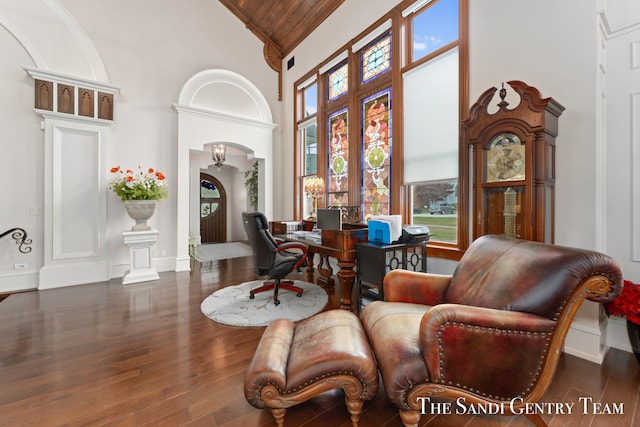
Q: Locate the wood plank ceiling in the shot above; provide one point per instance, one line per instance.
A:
(281, 24)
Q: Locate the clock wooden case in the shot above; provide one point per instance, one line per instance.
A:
(513, 164)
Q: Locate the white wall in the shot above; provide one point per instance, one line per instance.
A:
(21, 167)
(560, 60)
(149, 49)
(620, 49)
(622, 149)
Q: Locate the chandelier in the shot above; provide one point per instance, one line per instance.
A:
(218, 154)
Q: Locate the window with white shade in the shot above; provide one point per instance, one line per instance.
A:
(389, 106)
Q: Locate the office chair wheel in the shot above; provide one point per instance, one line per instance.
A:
(299, 294)
(276, 301)
(251, 296)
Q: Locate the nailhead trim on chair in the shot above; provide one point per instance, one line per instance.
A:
(490, 330)
(309, 382)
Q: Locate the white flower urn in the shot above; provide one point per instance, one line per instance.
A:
(140, 211)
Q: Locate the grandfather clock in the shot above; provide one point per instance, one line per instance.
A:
(513, 158)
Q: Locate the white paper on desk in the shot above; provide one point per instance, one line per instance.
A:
(395, 225)
(291, 225)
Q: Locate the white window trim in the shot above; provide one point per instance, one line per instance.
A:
(371, 36)
(415, 7)
(307, 123)
(305, 84)
(335, 61)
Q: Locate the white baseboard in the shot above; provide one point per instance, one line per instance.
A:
(586, 342)
(117, 269)
(73, 272)
(616, 331)
(182, 264)
(26, 280)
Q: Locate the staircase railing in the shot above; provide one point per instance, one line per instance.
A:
(20, 236)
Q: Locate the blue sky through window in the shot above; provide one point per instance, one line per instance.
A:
(311, 100)
(434, 28)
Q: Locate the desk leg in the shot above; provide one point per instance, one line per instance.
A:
(347, 276)
(325, 270)
(310, 257)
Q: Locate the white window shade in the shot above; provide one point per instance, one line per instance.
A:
(431, 120)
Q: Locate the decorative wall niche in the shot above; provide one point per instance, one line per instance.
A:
(44, 95)
(65, 99)
(85, 102)
(105, 106)
(72, 96)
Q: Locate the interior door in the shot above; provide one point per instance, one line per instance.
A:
(213, 210)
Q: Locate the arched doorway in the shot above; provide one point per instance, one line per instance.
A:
(204, 117)
(213, 210)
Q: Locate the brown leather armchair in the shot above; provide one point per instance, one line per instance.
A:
(492, 332)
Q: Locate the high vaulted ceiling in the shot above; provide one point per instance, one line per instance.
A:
(281, 24)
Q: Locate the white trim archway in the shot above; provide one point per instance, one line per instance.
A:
(220, 106)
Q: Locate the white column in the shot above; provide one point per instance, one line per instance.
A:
(140, 267)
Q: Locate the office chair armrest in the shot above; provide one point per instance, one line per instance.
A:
(294, 245)
(291, 245)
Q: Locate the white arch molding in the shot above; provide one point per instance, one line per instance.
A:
(220, 106)
(73, 52)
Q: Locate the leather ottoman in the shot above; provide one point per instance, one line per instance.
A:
(295, 362)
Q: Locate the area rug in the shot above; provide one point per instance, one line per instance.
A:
(232, 305)
(216, 251)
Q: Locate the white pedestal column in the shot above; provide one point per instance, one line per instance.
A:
(140, 268)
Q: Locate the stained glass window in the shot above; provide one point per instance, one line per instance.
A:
(207, 209)
(338, 159)
(376, 154)
(376, 58)
(338, 81)
(208, 190)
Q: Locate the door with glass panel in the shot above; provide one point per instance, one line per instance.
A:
(213, 210)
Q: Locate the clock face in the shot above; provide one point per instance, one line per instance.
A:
(505, 158)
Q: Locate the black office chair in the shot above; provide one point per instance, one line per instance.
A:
(270, 257)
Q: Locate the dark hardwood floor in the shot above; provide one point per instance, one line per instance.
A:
(107, 354)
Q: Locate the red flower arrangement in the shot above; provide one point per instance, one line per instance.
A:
(627, 304)
(130, 185)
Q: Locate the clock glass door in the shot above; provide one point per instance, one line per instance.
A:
(504, 211)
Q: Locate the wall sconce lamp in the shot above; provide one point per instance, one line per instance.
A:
(218, 154)
(314, 187)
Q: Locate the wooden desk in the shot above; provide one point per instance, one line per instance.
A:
(336, 244)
